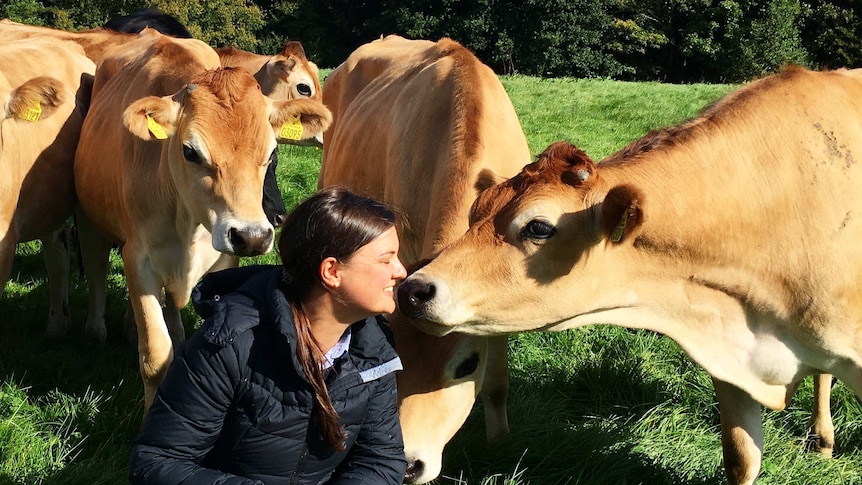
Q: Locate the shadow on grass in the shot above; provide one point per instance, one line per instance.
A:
(579, 425)
(72, 372)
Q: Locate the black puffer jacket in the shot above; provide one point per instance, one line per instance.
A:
(234, 407)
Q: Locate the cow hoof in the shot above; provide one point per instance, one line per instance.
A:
(98, 334)
(817, 444)
(57, 328)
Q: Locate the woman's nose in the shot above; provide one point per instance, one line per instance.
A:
(400, 272)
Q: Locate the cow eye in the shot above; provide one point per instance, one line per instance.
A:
(303, 89)
(467, 367)
(191, 154)
(538, 230)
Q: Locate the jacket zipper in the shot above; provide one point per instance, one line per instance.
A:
(300, 465)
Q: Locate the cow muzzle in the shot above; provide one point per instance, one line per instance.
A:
(247, 242)
(233, 237)
(420, 299)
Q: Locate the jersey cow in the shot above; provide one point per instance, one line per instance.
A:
(171, 164)
(288, 75)
(736, 234)
(39, 128)
(418, 125)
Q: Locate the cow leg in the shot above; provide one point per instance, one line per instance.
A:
(57, 254)
(174, 321)
(8, 245)
(155, 351)
(821, 431)
(741, 433)
(95, 250)
(130, 328)
(495, 389)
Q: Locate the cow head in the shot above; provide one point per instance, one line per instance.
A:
(218, 135)
(535, 238)
(290, 75)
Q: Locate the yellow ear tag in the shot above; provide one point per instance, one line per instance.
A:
(33, 113)
(156, 129)
(291, 130)
(617, 235)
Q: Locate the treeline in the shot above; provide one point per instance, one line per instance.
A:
(664, 40)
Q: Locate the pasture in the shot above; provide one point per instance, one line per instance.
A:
(598, 405)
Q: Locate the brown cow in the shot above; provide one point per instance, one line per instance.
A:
(179, 185)
(736, 234)
(287, 75)
(418, 124)
(39, 131)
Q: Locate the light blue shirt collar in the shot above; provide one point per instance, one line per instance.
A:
(337, 350)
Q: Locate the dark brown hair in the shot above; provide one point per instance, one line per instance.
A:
(333, 222)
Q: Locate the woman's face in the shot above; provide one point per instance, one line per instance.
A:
(369, 276)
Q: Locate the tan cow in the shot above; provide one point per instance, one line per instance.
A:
(286, 75)
(736, 234)
(417, 124)
(171, 165)
(41, 122)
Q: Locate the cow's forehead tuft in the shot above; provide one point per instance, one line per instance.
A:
(228, 85)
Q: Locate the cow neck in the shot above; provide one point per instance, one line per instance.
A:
(698, 196)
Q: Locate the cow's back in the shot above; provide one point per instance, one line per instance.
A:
(95, 42)
(414, 123)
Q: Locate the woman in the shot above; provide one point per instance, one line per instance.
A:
(291, 377)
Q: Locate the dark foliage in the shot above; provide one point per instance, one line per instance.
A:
(665, 40)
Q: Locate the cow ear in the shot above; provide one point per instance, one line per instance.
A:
(293, 48)
(280, 68)
(299, 119)
(152, 118)
(622, 214)
(487, 179)
(36, 99)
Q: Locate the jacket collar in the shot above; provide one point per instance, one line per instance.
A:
(251, 295)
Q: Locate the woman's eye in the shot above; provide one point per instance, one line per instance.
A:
(538, 230)
(191, 154)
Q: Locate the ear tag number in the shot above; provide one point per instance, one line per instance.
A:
(617, 234)
(33, 113)
(291, 130)
(156, 129)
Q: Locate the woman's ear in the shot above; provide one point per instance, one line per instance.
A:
(329, 274)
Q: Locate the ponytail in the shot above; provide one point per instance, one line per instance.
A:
(311, 359)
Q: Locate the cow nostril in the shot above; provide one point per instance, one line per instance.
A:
(422, 294)
(237, 240)
(278, 219)
(413, 296)
(414, 471)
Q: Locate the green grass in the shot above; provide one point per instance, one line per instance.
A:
(598, 405)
